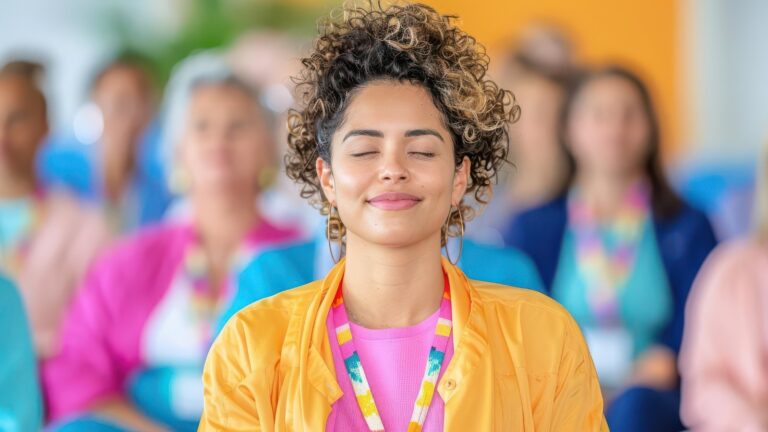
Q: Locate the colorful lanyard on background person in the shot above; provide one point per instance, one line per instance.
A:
(206, 304)
(13, 255)
(606, 250)
(357, 376)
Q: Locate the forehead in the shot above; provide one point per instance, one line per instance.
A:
(609, 89)
(120, 75)
(20, 93)
(222, 101)
(224, 94)
(381, 104)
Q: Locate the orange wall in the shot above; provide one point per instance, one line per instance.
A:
(641, 34)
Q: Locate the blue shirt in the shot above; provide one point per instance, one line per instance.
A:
(20, 401)
(65, 162)
(298, 264)
(15, 219)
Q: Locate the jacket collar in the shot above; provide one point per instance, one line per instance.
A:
(315, 359)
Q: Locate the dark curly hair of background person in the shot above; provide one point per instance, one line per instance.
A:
(409, 43)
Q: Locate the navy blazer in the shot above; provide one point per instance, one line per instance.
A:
(684, 240)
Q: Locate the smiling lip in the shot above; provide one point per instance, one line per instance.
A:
(394, 201)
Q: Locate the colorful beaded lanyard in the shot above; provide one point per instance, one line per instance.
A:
(360, 382)
(606, 267)
(205, 305)
(12, 259)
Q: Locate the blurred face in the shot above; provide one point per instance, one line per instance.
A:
(225, 144)
(534, 136)
(392, 174)
(123, 95)
(23, 126)
(608, 131)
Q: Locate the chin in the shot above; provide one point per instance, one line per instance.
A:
(395, 238)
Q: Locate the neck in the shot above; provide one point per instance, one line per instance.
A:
(604, 194)
(16, 187)
(222, 222)
(117, 175)
(536, 179)
(392, 287)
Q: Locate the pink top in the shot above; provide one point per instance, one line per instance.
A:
(67, 241)
(394, 360)
(103, 338)
(724, 361)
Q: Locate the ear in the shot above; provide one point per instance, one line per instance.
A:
(325, 175)
(460, 181)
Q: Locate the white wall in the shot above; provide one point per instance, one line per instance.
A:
(72, 38)
(727, 77)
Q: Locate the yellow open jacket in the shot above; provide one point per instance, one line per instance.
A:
(519, 364)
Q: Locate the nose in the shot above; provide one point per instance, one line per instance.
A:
(393, 168)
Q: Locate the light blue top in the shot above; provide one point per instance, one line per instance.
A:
(15, 217)
(645, 299)
(294, 265)
(20, 401)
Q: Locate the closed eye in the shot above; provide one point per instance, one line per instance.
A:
(424, 154)
(363, 154)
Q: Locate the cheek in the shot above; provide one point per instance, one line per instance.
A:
(439, 184)
(188, 157)
(250, 151)
(581, 140)
(351, 181)
(638, 139)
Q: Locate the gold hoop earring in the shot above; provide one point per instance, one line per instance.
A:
(334, 225)
(461, 236)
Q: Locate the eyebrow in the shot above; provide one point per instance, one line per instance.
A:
(379, 134)
(363, 132)
(421, 132)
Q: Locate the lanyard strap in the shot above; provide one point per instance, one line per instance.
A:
(206, 305)
(357, 376)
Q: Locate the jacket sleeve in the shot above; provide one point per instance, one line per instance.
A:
(578, 401)
(85, 369)
(238, 396)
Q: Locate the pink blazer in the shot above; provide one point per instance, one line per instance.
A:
(724, 361)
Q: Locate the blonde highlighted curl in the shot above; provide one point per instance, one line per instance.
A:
(410, 43)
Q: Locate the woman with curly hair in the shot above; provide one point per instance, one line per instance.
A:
(399, 124)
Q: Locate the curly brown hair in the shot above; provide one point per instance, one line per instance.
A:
(410, 43)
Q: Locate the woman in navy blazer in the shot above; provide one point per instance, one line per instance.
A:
(611, 135)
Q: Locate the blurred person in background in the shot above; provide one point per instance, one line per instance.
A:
(47, 237)
(120, 170)
(619, 249)
(537, 66)
(267, 60)
(724, 360)
(540, 167)
(21, 407)
(135, 341)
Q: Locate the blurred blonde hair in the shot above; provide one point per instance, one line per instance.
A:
(761, 196)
